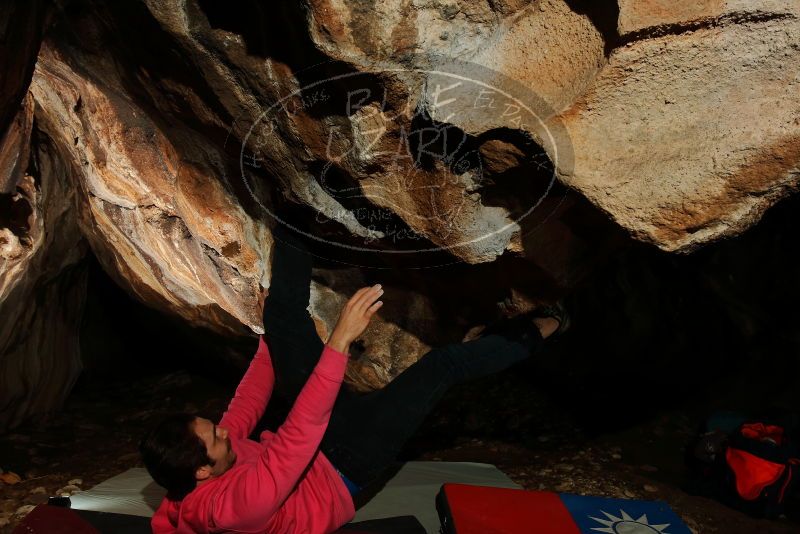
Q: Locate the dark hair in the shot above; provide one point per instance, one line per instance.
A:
(172, 453)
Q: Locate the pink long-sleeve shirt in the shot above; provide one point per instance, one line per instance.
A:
(280, 484)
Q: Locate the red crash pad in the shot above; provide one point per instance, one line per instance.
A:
(45, 519)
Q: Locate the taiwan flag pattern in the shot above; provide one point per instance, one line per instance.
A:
(467, 509)
(622, 516)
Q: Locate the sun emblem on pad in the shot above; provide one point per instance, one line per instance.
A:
(628, 525)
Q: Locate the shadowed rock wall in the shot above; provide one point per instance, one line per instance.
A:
(523, 139)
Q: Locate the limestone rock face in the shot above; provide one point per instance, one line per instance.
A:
(624, 102)
(15, 150)
(662, 16)
(394, 339)
(641, 109)
(519, 138)
(361, 131)
(682, 127)
(162, 223)
(690, 132)
(42, 284)
(523, 40)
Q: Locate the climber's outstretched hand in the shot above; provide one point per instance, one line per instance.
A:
(355, 317)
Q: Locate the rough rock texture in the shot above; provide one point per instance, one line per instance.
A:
(690, 132)
(666, 16)
(162, 223)
(391, 343)
(15, 150)
(42, 286)
(521, 39)
(506, 135)
(683, 132)
(40, 290)
(368, 140)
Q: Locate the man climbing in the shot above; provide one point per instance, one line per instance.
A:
(333, 443)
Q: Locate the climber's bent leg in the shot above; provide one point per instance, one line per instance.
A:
(366, 433)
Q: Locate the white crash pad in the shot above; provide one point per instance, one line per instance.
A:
(412, 491)
(132, 493)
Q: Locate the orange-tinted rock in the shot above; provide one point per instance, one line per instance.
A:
(687, 138)
(406, 128)
(42, 284)
(161, 223)
(654, 16)
(392, 341)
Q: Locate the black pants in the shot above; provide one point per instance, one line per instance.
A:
(367, 431)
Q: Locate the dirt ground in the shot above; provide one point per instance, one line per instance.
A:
(96, 437)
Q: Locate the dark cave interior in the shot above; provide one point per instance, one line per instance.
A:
(659, 341)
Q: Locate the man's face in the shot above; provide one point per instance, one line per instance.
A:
(218, 446)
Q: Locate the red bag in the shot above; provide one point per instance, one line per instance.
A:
(763, 467)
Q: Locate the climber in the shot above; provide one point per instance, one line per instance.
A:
(333, 442)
